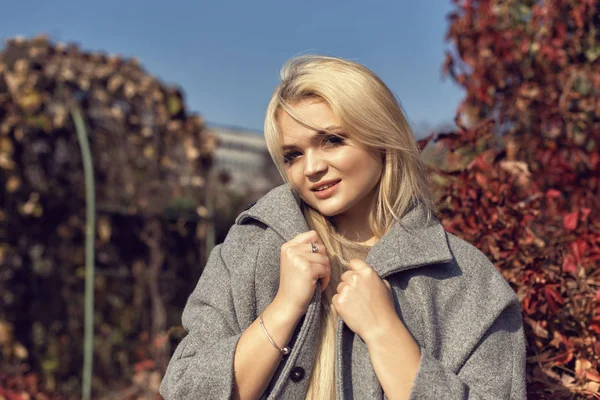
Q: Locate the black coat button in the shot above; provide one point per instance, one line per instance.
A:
(296, 374)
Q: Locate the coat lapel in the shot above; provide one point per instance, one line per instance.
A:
(280, 210)
(414, 241)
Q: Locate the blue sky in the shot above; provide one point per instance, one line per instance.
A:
(226, 55)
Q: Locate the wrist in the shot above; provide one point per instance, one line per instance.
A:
(394, 335)
(382, 335)
(284, 312)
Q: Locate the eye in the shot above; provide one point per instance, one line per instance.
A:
(289, 157)
(334, 140)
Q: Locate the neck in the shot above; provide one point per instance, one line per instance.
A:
(355, 228)
(354, 223)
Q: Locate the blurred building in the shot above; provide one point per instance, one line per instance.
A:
(243, 155)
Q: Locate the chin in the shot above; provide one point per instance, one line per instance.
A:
(330, 211)
(327, 213)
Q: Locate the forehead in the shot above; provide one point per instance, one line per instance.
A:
(310, 117)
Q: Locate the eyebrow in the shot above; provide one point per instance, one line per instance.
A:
(317, 135)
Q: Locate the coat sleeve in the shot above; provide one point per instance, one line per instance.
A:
(202, 364)
(495, 368)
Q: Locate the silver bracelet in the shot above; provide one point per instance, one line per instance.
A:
(283, 350)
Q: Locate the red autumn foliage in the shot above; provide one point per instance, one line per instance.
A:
(521, 177)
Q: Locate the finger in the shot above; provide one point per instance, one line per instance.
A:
(306, 248)
(320, 247)
(303, 250)
(334, 301)
(324, 274)
(307, 237)
(345, 277)
(340, 286)
(324, 284)
(323, 269)
(316, 258)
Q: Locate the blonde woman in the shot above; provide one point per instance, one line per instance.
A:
(341, 284)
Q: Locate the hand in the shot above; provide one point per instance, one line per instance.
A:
(300, 269)
(364, 301)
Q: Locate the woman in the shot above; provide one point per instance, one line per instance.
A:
(341, 283)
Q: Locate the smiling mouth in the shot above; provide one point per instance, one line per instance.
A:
(326, 193)
(325, 187)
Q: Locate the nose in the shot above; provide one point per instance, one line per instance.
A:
(314, 164)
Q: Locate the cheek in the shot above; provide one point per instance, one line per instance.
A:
(295, 175)
(364, 165)
(376, 169)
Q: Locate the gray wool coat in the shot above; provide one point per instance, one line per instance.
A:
(459, 309)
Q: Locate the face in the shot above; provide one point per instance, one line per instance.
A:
(314, 160)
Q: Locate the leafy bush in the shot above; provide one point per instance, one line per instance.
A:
(521, 179)
(150, 161)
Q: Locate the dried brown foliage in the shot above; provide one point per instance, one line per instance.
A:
(150, 159)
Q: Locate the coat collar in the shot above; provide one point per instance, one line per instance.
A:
(413, 242)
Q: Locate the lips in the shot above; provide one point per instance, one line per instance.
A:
(326, 193)
(323, 183)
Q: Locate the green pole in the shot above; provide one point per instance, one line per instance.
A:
(90, 229)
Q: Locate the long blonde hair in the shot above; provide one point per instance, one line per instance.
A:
(372, 117)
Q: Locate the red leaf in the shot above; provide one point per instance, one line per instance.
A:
(595, 324)
(594, 159)
(553, 297)
(563, 358)
(481, 179)
(529, 304)
(578, 249)
(569, 264)
(592, 375)
(570, 221)
(585, 212)
(553, 193)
